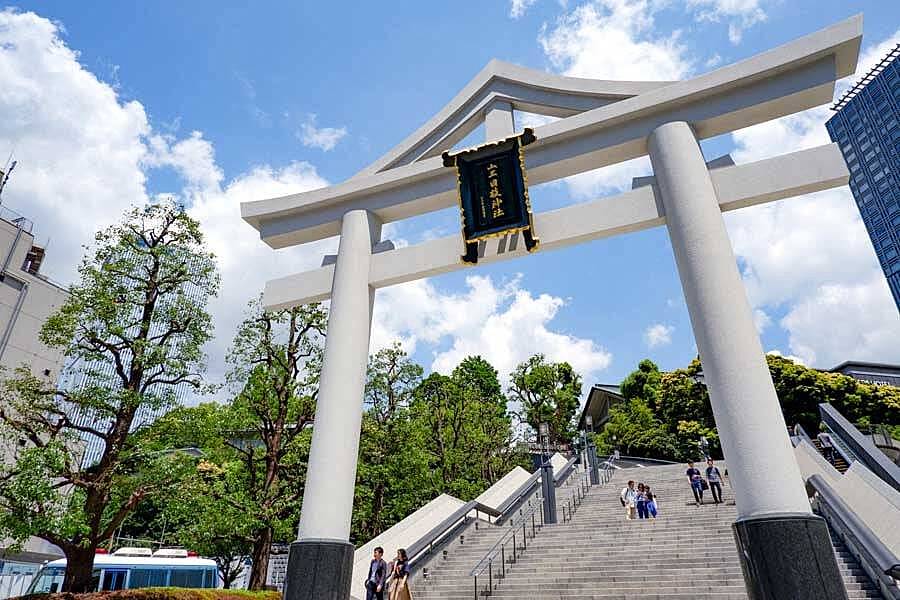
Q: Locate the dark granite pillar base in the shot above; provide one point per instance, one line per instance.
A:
(319, 570)
(788, 557)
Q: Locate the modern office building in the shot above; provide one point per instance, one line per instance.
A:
(866, 124)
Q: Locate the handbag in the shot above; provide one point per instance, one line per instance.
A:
(704, 485)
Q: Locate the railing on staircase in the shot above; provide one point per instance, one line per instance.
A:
(583, 484)
(492, 568)
(509, 548)
(880, 563)
(850, 439)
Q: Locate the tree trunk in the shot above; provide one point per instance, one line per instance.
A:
(262, 546)
(79, 569)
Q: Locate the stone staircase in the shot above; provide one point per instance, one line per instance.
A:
(688, 552)
(839, 463)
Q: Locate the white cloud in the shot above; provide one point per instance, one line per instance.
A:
(83, 154)
(245, 262)
(324, 138)
(614, 39)
(739, 14)
(503, 323)
(658, 335)
(812, 255)
(80, 149)
(761, 320)
(713, 61)
(193, 158)
(518, 8)
(792, 357)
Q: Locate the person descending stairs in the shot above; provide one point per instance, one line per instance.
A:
(687, 552)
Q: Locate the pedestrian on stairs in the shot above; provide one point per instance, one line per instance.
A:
(399, 577)
(714, 477)
(696, 480)
(378, 572)
(827, 445)
(628, 497)
(651, 502)
(640, 501)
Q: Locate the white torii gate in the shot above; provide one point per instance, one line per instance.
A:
(785, 550)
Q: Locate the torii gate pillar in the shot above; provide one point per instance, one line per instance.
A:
(785, 550)
(320, 563)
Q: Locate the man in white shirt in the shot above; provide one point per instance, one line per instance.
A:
(628, 498)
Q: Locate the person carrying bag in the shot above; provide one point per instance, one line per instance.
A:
(399, 588)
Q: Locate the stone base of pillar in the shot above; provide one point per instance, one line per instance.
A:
(319, 570)
(788, 557)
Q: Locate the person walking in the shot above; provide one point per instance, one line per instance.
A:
(827, 445)
(378, 572)
(399, 577)
(628, 498)
(652, 508)
(714, 477)
(696, 479)
(640, 501)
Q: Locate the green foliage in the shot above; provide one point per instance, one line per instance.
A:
(136, 321)
(548, 393)
(247, 491)
(667, 413)
(163, 594)
(391, 472)
(465, 428)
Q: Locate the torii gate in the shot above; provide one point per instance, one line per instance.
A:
(785, 550)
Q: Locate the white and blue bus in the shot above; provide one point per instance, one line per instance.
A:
(131, 568)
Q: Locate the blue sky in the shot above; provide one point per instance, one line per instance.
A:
(218, 103)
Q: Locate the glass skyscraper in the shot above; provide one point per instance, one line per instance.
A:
(866, 125)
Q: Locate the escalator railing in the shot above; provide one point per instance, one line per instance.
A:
(859, 446)
(880, 563)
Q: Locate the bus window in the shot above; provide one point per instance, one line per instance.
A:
(49, 580)
(187, 578)
(143, 578)
(114, 579)
(212, 578)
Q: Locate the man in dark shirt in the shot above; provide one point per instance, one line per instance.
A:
(376, 577)
(693, 475)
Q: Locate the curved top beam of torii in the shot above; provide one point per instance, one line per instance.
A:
(523, 89)
(785, 80)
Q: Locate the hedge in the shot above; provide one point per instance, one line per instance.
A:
(162, 594)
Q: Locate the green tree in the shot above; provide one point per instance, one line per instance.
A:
(548, 392)
(643, 383)
(391, 468)
(137, 321)
(801, 389)
(276, 357)
(206, 511)
(465, 428)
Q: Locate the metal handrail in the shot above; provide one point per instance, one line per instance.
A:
(499, 547)
(880, 563)
(425, 545)
(577, 497)
(859, 445)
(487, 562)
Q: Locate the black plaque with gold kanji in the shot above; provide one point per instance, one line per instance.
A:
(493, 192)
